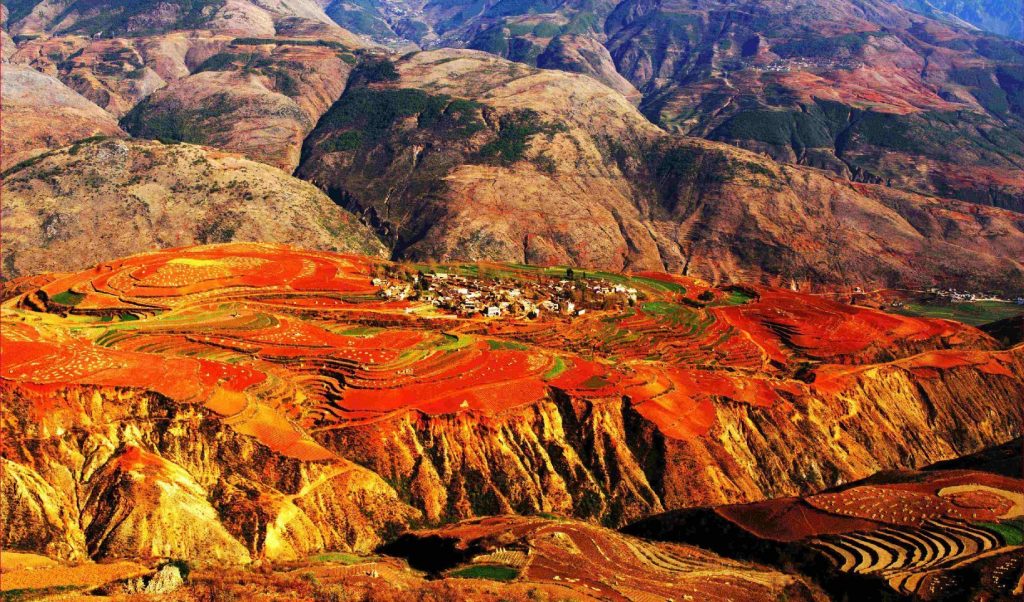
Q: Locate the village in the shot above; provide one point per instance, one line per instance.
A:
(571, 295)
(958, 296)
(809, 64)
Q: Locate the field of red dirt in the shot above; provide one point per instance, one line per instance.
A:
(288, 342)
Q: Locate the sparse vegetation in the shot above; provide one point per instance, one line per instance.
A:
(515, 131)
(287, 42)
(26, 594)
(340, 558)
(815, 46)
(119, 17)
(178, 124)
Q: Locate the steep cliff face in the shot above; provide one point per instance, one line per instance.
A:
(603, 460)
(107, 473)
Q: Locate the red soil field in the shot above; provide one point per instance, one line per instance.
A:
(283, 341)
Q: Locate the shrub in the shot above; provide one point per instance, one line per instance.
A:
(345, 141)
(816, 46)
(491, 40)
(516, 130)
(368, 115)
(375, 70)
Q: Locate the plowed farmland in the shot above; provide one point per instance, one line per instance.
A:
(287, 342)
(303, 405)
(943, 534)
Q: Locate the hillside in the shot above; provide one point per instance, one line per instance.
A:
(322, 415)
(41, 113)
(128, 18)
(491, 560)
(464, 140)
(259, 98)
(866, 89)
(99, 199)
(920, 101)
(512, 300)
(489, 159)
(1003, 17)
(946, 534)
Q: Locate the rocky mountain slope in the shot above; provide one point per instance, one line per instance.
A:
(865, 89)
(318, 416)
(869, 90)
(97, 200)
(467, 140)
(464, 139)
(1004, 17)
(125, 18)
(259, 98)
(41, 113)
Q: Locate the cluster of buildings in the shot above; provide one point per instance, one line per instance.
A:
(958, 296)
(806, 64)
(497, 297)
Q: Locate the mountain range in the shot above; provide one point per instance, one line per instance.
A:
(885, 146)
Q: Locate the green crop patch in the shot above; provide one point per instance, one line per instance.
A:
(974, 314)
(33, 593)
(738, 297)
(557, 367)
(595, 382)
(340, 558)
(486, 571)
(68, 297)
(361, 331)
(512, 345)
(453, 342)
(1011, 532)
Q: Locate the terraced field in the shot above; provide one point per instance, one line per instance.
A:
(927, 526)
(287, 343)
(690, 395)
(918, 533)
(298, 335)
(593, 562)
